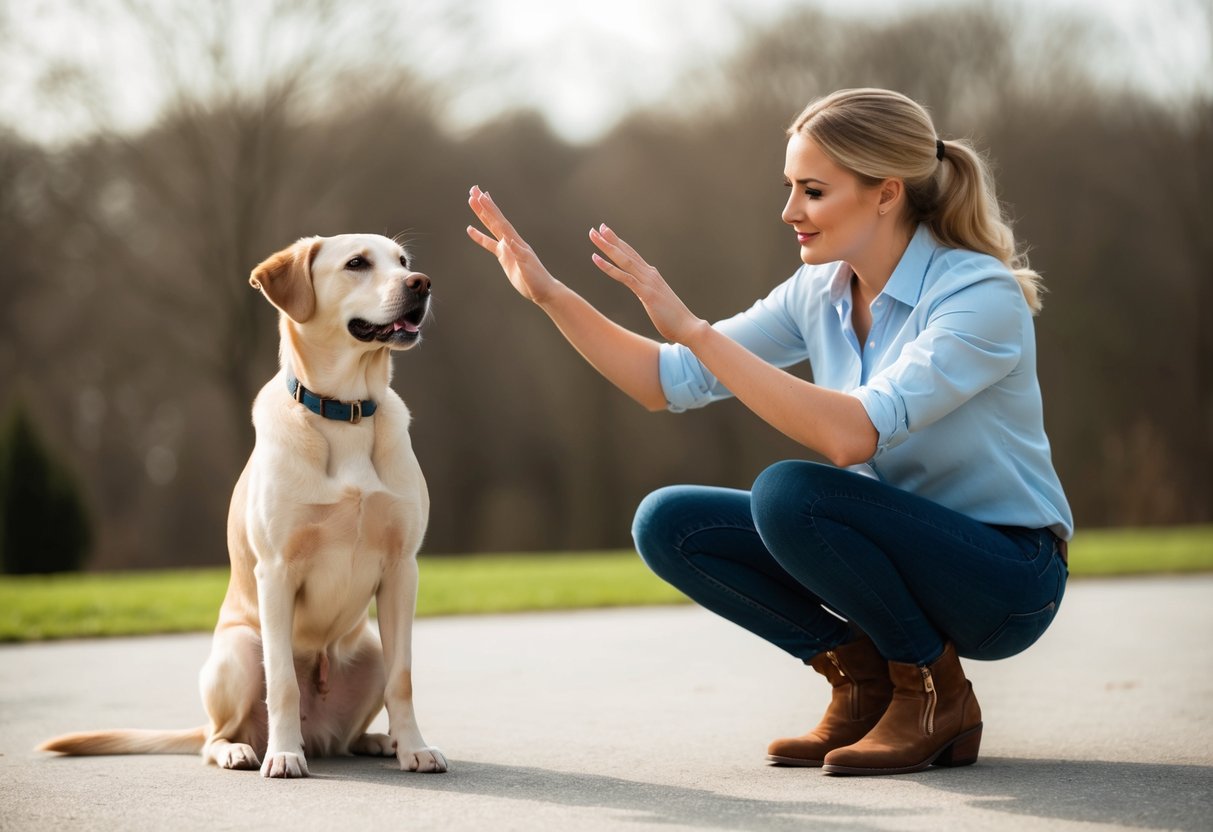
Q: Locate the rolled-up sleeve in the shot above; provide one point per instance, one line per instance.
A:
(767, 329)
(971, 340)
(685, 381)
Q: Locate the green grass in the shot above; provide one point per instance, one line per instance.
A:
(117, 603)
(130, 603)
(125, 603)
(1168, 549)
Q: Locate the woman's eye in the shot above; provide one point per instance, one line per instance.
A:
(811, 193)
(357, 263)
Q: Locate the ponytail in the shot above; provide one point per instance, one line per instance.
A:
(968, 215)
(878, 134)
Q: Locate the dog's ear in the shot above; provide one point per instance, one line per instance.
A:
(286, 279)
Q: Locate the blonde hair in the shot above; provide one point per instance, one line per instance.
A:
(880, 134)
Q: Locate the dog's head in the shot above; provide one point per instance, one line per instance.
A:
(356, 286)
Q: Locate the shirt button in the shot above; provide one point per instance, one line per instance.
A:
(871, 344)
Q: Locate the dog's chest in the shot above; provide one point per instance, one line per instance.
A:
(377, 516)
(349, 544)
(355, 471)
(350, 456)
(356, 457)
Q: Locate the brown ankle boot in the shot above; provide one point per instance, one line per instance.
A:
(933, 718)
(862, 691)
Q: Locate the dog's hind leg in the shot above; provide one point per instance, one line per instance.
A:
(233, 691)
(374, 745)
(363, 680)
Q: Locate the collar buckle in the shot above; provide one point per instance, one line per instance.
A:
(351, 412)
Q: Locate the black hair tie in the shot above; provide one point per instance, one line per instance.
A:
(939, 149)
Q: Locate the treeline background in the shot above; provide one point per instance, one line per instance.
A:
(127, 326)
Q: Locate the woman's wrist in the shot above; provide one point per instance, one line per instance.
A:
(693, 337)
(555, 294)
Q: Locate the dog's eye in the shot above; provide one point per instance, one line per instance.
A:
(404, 261)
(358, 263)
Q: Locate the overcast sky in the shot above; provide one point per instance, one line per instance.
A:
(639, 45)
(584, 63)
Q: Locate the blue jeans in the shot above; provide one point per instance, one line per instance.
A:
(812, 545)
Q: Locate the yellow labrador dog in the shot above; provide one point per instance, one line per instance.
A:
(328, 514)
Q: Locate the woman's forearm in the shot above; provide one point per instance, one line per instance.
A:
(626, 359)
(832, 423)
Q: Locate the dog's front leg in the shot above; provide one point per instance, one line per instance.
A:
(276, 600)
(397, 601)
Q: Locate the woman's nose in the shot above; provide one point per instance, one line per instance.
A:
(792, 211)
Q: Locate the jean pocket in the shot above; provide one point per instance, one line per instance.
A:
(1032, 546)
(1017, 633)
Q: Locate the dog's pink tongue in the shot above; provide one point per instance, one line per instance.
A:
(405, 325)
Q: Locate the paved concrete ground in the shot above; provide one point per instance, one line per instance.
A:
(651, 719)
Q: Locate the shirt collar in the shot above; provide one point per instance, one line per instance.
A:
(905, 284)
(840, 285)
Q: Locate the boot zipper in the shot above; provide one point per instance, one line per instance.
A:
(854, 692)
(837, 664)
(928, 684)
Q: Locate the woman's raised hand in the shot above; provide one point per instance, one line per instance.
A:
(668, 313)
(518, 260)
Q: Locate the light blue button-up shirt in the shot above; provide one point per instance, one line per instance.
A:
(947, 376)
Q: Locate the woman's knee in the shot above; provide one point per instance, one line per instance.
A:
(675, 523)
(784, 490)
(654, 528)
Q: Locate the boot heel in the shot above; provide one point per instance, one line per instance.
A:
(962, 751)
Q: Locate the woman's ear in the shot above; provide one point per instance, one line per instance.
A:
(891, 193)
(285, 278)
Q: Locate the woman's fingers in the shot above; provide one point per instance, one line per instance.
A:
(607, 247)
(483, 240)
(623, 259)
(488, 213)
(615, 246)
(484, 212)
(613, 271)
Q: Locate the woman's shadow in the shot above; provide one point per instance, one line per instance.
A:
(1144, 795)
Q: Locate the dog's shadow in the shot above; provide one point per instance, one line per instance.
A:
(1156, 796)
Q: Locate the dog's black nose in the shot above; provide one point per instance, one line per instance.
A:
(418, 283)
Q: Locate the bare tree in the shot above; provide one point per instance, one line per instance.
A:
(126, 305)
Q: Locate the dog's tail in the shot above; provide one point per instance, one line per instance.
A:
(132, 741)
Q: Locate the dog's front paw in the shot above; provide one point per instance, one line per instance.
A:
(238, 756)
(284, 764)
(428, 760)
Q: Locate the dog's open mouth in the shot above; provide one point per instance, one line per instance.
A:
(402, 330)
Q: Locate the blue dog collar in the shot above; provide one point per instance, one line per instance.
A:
(338, 411)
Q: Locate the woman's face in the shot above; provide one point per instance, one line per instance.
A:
(834, 214)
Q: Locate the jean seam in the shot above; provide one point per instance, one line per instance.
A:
(730, 591)
(858, 578)
(946, 530)
(810, 515)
